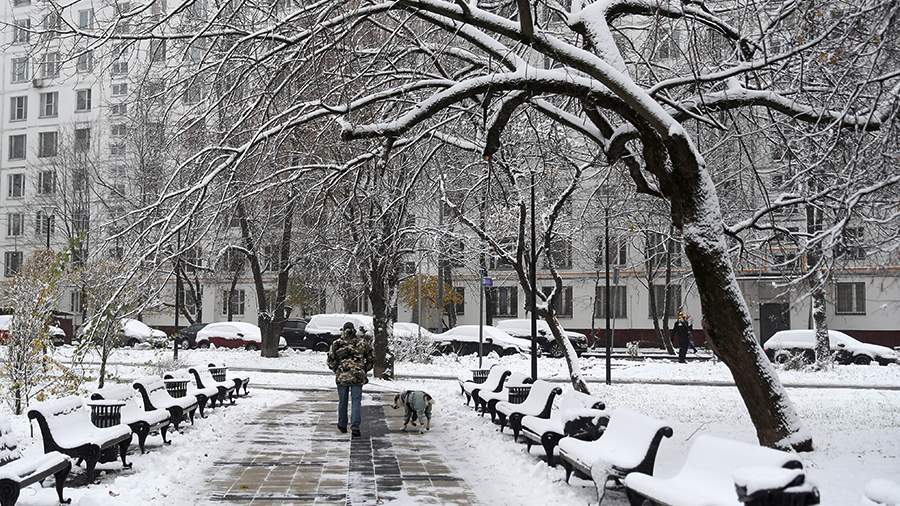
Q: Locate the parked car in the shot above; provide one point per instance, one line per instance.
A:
(57, 335)
(787, 343)
(233, 335)
(323, 329)
(521, 328)
(412, 330)
(187, 337)
(294, 332)
(463, 340)
(135, 332)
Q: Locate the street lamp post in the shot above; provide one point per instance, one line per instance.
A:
(606, 303)
(533, 282)
(178, 295)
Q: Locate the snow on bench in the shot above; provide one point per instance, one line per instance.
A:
(155, 396)
(205, 396)
(573, 413)
(66, 427)
(716, 469)
(881, 493)
(18, 471)
(489, 400)
(204, 380)
(538, 403)
(494, 383)
(142, 423)
(240, 381)
(628, 445)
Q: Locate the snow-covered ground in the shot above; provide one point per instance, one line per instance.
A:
(856, 432)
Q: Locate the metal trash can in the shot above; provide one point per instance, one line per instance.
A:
(518, 393)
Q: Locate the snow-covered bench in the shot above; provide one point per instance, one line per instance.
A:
(628, 445)
(66, 428)
(204, 379)
(487, 401)
(575, 414)
(155, 396)
(18, 471)
(205, 396)
(240, 381)
(881, 492)
(722, 472)
(494, 383)
(538, 403)
(142, 423)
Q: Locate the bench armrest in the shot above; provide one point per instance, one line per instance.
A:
(758, 483)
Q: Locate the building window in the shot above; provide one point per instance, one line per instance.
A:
(81, 221)
(233, 260)
(15, 224)
(460, 305)
(75, 301)
(851, 298)
(117, 149)
(505, 301)
(43, 224)
(79, 179)
(618, 248)
(86, 19)
(49, 104)
(21, 31)
(659, 291)
(562, 301)
(618, 302)
(561, 254)
(189, 300)
(19, 69)
(192, 94)
(12, 262)
(50, 65)
(85, 62)
(119, 68)
(120, 89)
(18, 108)
(82, 100)
(118, 109)
(21, 3)
(657, 247)
(118, 130)
(48, 143)
(82, 140)
(17, 147)
(851, 248)
(236, 302)
(158, 50)
(496, 263)
(357, 304)
(46, 182)
(52, 22)
(667, 46)
(16, 185)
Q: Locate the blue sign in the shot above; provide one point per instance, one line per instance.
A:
(487, 282)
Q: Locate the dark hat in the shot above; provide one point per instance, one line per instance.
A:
(349, 326)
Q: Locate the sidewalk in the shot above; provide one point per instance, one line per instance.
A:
(293, 454)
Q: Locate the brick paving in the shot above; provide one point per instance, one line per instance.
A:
(293, 454)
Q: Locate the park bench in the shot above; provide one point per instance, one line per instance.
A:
(722, 472)
(575, 414)
(142, 423)
(205, 396)
(493, 383)
(240, 381)
(628, 445)
(66, 427)
(538, 403)
(487, 401)
(204, 379)
(155, 396)
(18, 471)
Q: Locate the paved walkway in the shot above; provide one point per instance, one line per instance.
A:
(293, 454)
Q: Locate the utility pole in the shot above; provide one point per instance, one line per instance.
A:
(178, 294)
(533, 282)
(606, 303)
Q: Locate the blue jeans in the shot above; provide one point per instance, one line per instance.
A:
(355, 394)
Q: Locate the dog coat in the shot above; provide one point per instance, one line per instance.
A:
(416, 401)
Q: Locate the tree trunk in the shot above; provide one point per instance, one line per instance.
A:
(382, 321)
(819, 316)
(451, 307)
(667, 299)
(571, 356)
(696, 212)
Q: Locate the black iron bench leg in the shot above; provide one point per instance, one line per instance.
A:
(191, 413)
(9, 492)
(91, 466)
(549, 442)
(201, 406)
(634, 498)
(515, 423)
(142, 431)
(123, 451)
(162, 432)
(60, 477)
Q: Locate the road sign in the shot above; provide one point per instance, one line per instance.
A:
(487, 281)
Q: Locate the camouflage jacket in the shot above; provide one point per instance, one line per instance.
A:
(351, 357)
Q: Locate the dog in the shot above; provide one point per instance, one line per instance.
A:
(418, 407)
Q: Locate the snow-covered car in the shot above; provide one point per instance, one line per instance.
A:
(57, 335)
(412, 330)
(521, 328)
(135, 332)
(323, 329)
(463, 340)
(847, 350)
(233, 335)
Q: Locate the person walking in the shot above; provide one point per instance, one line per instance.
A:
(681, 330)
(350, 357)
